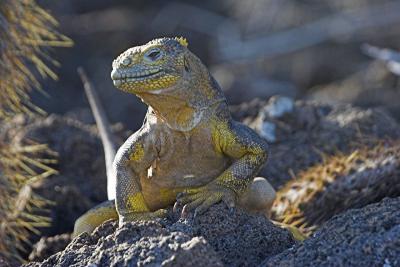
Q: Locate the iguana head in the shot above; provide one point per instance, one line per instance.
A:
(156, 65)
(170, 79)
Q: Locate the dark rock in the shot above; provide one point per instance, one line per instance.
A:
(47, 246)
(134, 244)
(247, 110)
(239, 238)
(5, 262)
(359, 237)
(218, 236)
(313, 130)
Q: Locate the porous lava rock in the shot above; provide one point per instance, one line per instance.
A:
(369, 236)
(47, 246)
(216, 238)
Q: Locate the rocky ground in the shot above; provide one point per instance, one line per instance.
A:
(369, 236)
(359, 237)
(217, 238)
(303, 136)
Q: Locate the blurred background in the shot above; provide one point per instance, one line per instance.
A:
(305, 49)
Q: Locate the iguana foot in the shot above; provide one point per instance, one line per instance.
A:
(258, 197)
(200, 199)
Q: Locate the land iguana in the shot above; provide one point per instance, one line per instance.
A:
(189, 151)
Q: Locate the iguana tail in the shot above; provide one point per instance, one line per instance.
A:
(107, 137)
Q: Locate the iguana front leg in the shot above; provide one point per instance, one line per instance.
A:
(134, 157)
(249, 153)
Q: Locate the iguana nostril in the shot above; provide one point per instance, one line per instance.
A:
(115, 74)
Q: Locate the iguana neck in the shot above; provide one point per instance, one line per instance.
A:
(176, 113)
(183, 107)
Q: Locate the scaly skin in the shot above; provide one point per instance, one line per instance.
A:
(189, 151)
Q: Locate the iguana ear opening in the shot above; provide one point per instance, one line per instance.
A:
(186, 64)
(182, 41)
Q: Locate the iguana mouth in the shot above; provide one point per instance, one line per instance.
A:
(120, 78)
(137, 77)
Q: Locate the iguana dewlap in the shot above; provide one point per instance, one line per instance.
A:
(189, 151)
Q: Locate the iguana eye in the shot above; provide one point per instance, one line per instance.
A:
(126, 61)
(153, 54)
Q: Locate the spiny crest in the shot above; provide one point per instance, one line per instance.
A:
(166, 40)
(182, 41)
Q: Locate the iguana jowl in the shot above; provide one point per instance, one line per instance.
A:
(189, 151)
